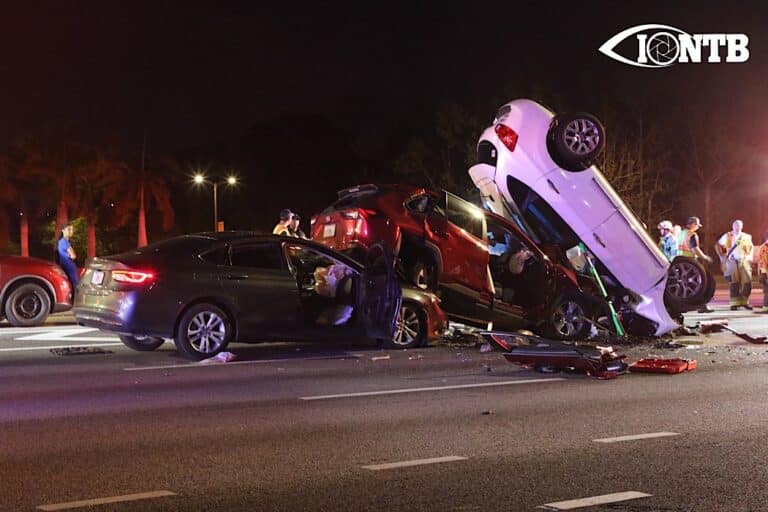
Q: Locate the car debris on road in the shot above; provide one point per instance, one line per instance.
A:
(711, 326)
(657, 365)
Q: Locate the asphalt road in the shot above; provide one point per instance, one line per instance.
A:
(331, 426)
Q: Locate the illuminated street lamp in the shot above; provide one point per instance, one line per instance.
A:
(231, 180)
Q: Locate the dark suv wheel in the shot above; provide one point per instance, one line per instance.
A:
(568, 318)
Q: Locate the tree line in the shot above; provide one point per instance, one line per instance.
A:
(665, 162)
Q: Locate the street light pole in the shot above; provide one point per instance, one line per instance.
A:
(215, 207)
(199, 179)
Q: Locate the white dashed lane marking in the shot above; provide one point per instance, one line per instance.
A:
(411, 463)
(49, 347)
(635, 437)
(105, 501)
(435, 388)
(595, 500)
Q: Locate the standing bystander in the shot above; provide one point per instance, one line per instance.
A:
(66, 255)
(667, 240)
(283, 225)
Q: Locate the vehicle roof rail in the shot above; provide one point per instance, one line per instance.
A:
(356, 189)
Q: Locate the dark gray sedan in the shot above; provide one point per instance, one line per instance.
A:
(209, 289)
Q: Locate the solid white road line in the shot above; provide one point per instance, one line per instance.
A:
(260, 361)
(635, 437)
(48, 347)
(595, 500)
(410, 463)
(435, 388)
(30, 330)
(104, 501)
(59, 333)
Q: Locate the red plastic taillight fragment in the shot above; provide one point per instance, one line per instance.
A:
(132, 277)
(507, 135)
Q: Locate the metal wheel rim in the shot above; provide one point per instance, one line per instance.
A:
(206, 332)
(567, 319)
(408, 326)
(28, 306)
(685, 280)
(582, 136)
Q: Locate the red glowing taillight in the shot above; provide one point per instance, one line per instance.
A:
(360, 215)
(132, 277)
(507, 135)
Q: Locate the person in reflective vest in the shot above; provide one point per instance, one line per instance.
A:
(762, 269)
(735, 249)
(690, 247)
(667, 240)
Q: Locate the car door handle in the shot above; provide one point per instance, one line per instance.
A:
(552, 186)
(599, 240)
(236, 277)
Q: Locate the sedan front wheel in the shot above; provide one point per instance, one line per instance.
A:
(411, 329)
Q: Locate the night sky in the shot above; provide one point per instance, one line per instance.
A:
(197, 75)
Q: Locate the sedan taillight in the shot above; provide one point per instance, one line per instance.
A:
(132, 277)
(507, 135)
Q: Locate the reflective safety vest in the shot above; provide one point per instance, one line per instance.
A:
(685, 244)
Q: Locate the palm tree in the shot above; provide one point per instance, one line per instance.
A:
(95, 179)
(8, 195)
(136, 192)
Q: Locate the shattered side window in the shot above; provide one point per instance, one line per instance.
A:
(539, 216)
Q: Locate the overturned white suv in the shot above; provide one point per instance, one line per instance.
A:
(537, 168)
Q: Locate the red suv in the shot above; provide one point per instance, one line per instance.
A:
(31, 289)
(485, 268)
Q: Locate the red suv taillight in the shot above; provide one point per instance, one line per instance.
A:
(507, 135)
(360, 229)
(132, 277)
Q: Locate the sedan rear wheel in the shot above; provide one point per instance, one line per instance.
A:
(141, 343)
(28, 305)
(204, 331)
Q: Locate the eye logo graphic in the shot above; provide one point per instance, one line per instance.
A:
(660, 46)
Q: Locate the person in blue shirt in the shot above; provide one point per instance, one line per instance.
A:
(668, 241)
(66, 255)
